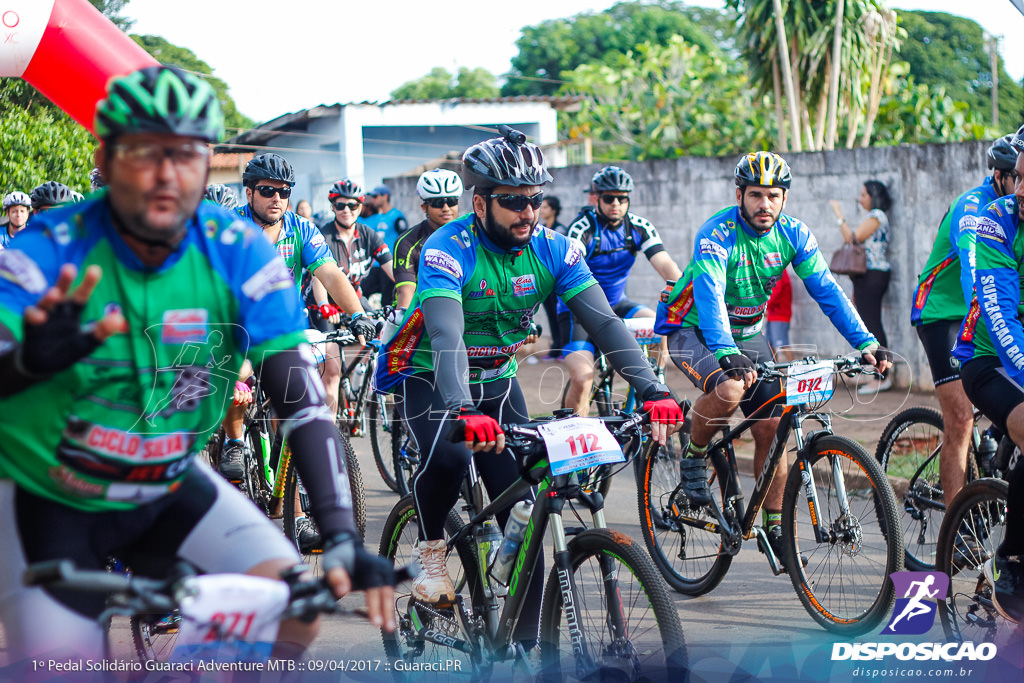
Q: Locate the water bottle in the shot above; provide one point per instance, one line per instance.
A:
(391, 324)
(358, 373)
(515, 529)
(986, 452)
(487, 541)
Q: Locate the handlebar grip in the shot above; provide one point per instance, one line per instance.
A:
(44, 573)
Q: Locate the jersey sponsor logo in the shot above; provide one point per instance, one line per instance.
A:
(273, 276)
(574, 253)
(997, 325)
(439, 260)
(742, 259)
(524, 285)
(488, 351)
(712, 248)
(185, 325)
(748, 311)
(482, 292)
(971, 321)
(678, 309)
(968, 223)
(62, 234)
(122, 444)
(71, 482)
(317, 240)
(990, 230)
(773, 259)
(17, 267)
(720, 232)
(463, 238)
(286, 249)
(232, 233)
(811, 245)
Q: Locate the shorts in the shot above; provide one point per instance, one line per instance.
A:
(938, 339)
(778, 333)
(990, 389)
(688, 351)
(575, 338)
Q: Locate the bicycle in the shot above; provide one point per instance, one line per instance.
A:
(605, 610)
(848, 533)
(908, 451)
(972, 529)
(603, 397)
(191, 617)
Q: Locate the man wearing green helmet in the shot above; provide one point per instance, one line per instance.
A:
(124, 321)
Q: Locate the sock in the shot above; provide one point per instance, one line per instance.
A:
(228, 441)
(772, 519)
(695, 451)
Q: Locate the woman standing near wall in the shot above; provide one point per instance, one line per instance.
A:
(870, 287)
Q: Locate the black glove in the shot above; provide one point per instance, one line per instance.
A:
(736, 365)
(880, 353)
(366, 570)
(362, 326)
(58, 343)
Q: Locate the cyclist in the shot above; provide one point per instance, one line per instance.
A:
(51, 194)
(95, 180)
(16, 206)
(714, 317)
(993, 373)
(221, 194)
(268, 181)
(121, 339)
(481, 278)
(389, 222)
(355, 247)
(611, 236)
(944, 291)
(440, 190)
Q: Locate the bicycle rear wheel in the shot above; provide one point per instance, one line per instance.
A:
(294, 490)
(909, 455)
(692, 559)
(972, 530)
(382, 411)
(155, 635)
(845, 586)
(407, 642)
(630, 627)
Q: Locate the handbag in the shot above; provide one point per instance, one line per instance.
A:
(850, 259)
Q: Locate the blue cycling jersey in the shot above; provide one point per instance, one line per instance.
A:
(300, 243)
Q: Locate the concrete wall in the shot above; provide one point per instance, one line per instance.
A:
(679, 195)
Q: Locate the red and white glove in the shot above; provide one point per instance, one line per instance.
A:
(328, 310)
(478, 428)
(663, 408)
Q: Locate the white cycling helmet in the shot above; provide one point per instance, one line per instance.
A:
(439, 182)
(17, 198)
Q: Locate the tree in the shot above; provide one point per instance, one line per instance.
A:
(440, 84)
(664, 101)
(172, 55)
(949, 51)
(112, 9)
(43, 144)
(560, 45)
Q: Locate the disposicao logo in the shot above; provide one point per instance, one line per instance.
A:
(915, 612)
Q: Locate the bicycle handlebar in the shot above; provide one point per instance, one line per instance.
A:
(846, 365)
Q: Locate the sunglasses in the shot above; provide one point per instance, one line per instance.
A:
(351, 206)
(518, 202)
(269, 191)
(615, 199)
(441, 202)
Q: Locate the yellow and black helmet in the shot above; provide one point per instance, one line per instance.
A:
(763, 169)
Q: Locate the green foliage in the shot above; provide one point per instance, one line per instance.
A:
(440, 84)
(949, 52)
(559, 45)
(173, 55)
(665, 101)
(112, 9)
(42, 144)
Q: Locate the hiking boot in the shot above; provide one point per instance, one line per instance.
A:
(232, 460)
(778, 544)
(433, 585)
(694, 478)
(307, 536)
(1007, 576)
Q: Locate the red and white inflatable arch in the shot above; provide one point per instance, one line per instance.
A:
(67, 50)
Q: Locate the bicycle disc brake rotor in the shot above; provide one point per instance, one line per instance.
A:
(849, 534)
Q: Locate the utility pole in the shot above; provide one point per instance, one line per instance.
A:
(992, 47)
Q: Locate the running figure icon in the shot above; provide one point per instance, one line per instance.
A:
(916, 605)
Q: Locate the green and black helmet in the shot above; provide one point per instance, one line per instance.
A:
(160, 99)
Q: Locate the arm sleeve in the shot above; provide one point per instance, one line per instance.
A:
(591, 308)
(316, 448)
(710, 262)
(445, 323)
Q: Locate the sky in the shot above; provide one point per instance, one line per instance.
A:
(280, 57)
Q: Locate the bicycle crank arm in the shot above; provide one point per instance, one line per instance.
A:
(423, 619)
(766, 548)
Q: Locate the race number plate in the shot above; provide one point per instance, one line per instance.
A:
(809, 384)
(579, 443)
(230, 616)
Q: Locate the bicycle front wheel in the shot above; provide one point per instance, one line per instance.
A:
(845, 584)
(155, 635)
(629, 626)
(382, 434)
(691, 558)
(408, 642)
(405, 455)
(972, 530)
(909, 455)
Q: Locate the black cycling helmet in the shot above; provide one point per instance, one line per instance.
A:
(221, 194)
(763, 169)
(508, 160)
(52, 193)
(348, 189)
(268, 167)
(1017, 141)
(1002, 156)
(611, 179)
(160, 99)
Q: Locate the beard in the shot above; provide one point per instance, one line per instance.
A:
(503, 236)
(750, 219)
